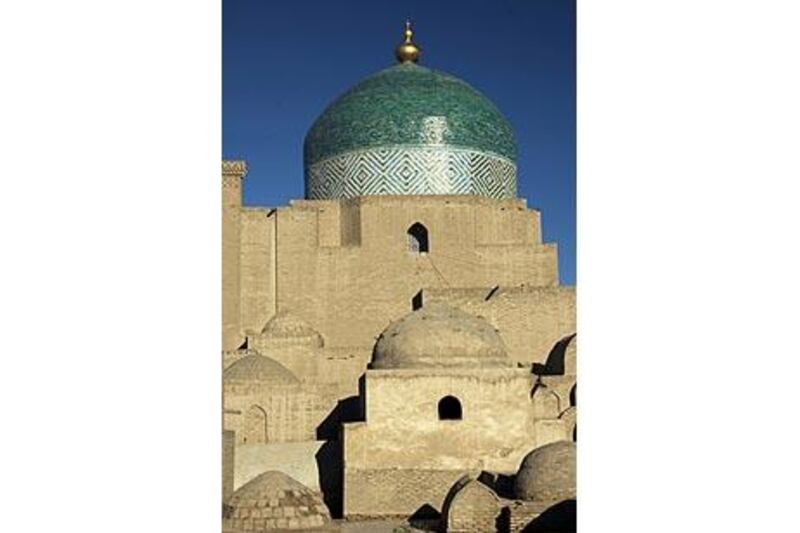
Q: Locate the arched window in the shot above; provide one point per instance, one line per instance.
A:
(449, 408)
(418, 239)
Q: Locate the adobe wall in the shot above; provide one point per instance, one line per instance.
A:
(403, 429)
(344, 265)
(232, 174)
(403, 439)
(228, 464)
(395, 492)
(330, 371)
(531, 320)
(257, 267)
(291, 415)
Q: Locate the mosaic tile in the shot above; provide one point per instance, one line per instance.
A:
(408, 128)
(408, 170)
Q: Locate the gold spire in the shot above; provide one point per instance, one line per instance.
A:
(407, 51)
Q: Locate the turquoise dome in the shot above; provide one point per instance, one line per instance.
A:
(410, 130)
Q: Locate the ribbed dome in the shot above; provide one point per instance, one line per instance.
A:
(273, 500)
(547, 473)
(257, 368)
(439, 336)
(410, 130)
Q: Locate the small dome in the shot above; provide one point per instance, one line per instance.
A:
(470, 506)
(439, 336)
(275, 501)
(410, 130)
(547, 473)
(287, 329)
(260, 369)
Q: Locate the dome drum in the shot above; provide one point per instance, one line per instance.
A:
(411, 170)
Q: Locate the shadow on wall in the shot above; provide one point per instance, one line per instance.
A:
(501, 484)
(555, 359)
(347, 410)
(329, 457)
(329, 461)
(426, 518)
(560, 518)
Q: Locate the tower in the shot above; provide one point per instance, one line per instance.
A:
(233, 172)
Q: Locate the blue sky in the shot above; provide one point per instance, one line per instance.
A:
(284, 62)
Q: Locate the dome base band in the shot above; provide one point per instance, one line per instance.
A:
(412, 170)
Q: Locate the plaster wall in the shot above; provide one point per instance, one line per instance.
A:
(297, 459)
(403, 429)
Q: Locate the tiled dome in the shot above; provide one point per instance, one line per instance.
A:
(439, 336)
(274, 501)
(410, 130)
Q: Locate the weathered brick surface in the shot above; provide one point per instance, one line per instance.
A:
(327, 260)
(232, 174)
(521, 513)
(343, 267)
(471, 507)
(531, 319)
(228, 462)
(274, 501)
(395, 492)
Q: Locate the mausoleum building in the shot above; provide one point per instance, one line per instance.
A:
(403, 325)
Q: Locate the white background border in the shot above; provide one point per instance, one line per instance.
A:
(687, 193)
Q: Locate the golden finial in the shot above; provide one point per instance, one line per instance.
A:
(407, 51)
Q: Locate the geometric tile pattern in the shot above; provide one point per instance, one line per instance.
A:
(410, 170)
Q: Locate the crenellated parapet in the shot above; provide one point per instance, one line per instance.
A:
(234, 167)
(232, 172)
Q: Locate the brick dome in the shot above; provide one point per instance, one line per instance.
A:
(547, 473)
(287, 329)
(259, 369)
(439, 336)
(274, 501)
